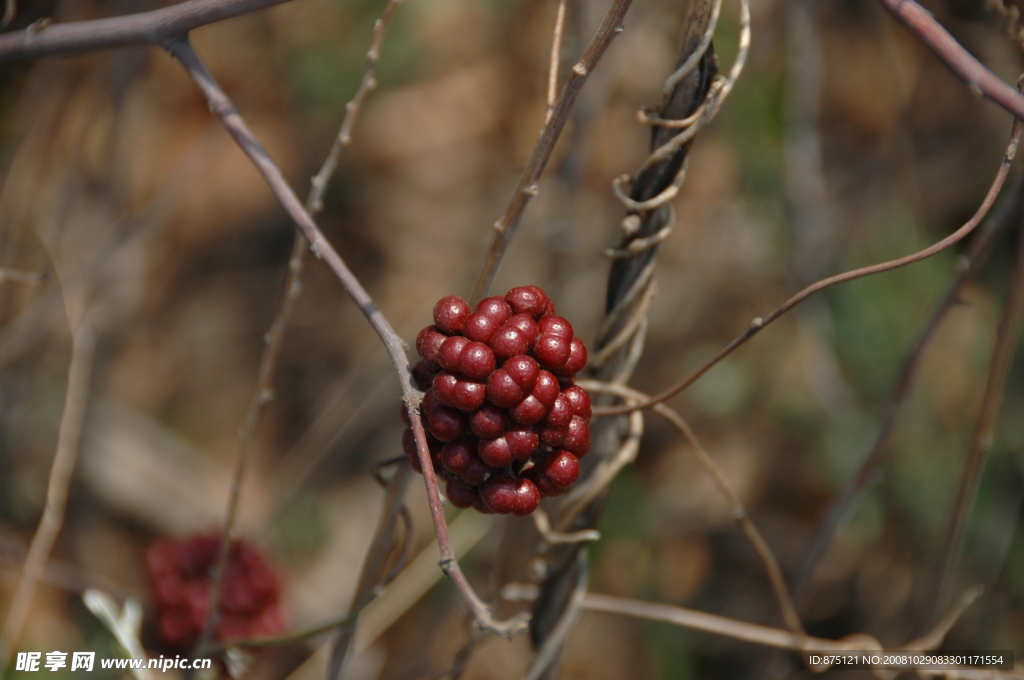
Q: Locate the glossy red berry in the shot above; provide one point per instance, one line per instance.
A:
(577, 441)
(495, 452)
(444, 387)
(552, 351)
(527, 498)
(502, 390)
(576, 361)
(495, 308)
(450, 313)
(428, 343)
(430, 403)
(579, 401)
(488, 422)
(523, 370)
(528, 411)
(522, 441)
(476, 474)
(561, 467)
(469, 396)
(460, 494)
(476, 361)
(556, 325)
(545, 389)
(529, 300)
(446, 423)
(508, 341)
(423, 373)
(560, 413)
(526, 325)
(480, 327)
(499, 494)
(457, 456)
(545, 486)
(450, 353)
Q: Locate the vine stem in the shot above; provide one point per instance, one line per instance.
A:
(181, 49)
(505, 227)
(761, 322)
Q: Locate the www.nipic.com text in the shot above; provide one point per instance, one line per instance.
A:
(85, 661)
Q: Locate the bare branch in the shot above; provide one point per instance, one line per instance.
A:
(219, 103)
(505, 228)
(144, 28)
(761, 322)
(981, 81)
(556, 54)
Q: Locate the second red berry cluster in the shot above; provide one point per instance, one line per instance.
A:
(506, 423)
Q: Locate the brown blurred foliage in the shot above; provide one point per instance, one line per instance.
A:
(844, 143)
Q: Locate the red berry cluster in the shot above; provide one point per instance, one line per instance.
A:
(506, 423)
(180, 573)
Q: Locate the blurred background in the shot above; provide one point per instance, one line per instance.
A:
(844, 143)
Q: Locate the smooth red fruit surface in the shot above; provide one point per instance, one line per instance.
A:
(577, 441)
(526, 325)
(444, 387)
(509, 341)
(577, 358)
(579, 401)
(469, 396)
(488, 422)
(446, 423)
(527, 498)
(495, 452)
(502, 390)
(560, 413)
(561, 467)
(450, 313)
(552, 351)
(529, 411)
(499, 493)
(553, 436)
(545, 389)
(480, 327)
(522, 441)
(529, 300)
(459, 494)
(523, 370)
(423, 373)
(556, 325)
(430, 403)
(476, 474)
(495, 308)
(429, 341)
(476, 361)
(451, 351)
(544, 485)
(457, 456)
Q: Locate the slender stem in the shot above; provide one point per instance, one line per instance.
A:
(556, 55)
(222, 107)
(981, 81)
(505, 228)
(981, 437)
(144, 28)
(761, 322)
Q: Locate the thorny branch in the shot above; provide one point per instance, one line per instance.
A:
(219, 103)
(505, 228)
(761, 322)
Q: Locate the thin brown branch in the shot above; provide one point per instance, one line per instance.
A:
(984, 425)
(762, 322)
(981, 81)
(556, 57)
(83, 345)
(771, 565)
(505, 227)
(144, 28)
(222, 107)
(967, 267)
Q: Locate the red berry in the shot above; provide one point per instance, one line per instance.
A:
(578, 440)
(450, 313)
(552, 351)
(526, 325)
(529, 300)
(523, 370)
(556, 325)
(476, 361)
(502, 390)
(549, 308)
(577, 358)
(561, 467)
(529, 411)
(444, 388)
(553, 436)
(546, 389)
(499, 494)
(476, 474)
(527, 498)
(459, 494)
(423, 373)
(446, 423)
(468, 395)
(544, 485)
(560, 413)
(409, 443)
(522, 441)
(488, 422)
(403, 413)
(579, 401)
(451, 351)
(430, 403)
(495, 452)
(495, 308)
(481, 507)
(508, 341)
(429, 341)
(480, 327)
(457, 456)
